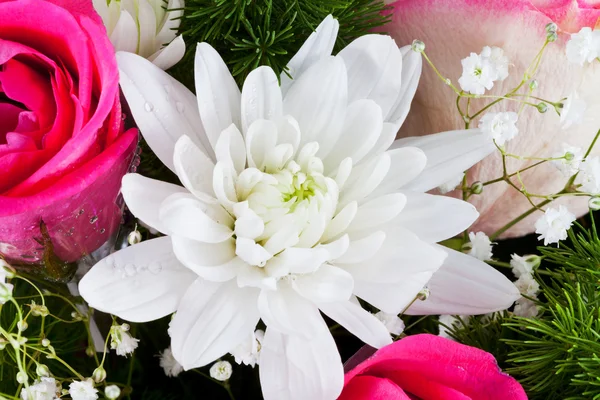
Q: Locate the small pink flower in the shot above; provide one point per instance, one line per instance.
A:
(430, 367)
(63, 146)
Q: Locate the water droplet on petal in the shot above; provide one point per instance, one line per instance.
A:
(180, 106)
(102, 230)
(93, 219)
(130, 269)
(155, 267)
(148, 107)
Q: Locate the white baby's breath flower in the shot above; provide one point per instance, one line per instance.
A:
(451, 184)
(584, 46)
(527, 285)
(589, 175)
(478, 74)
(496, 57)
(500, 126)
(221, 371)
(112, 392)
(145, 27)
(248, 351)
(554, 224)
(525, 308)
(449, 323)
(392, 322)
(83, 390)
(169, 364)
(572, 111)
(524, 265)
(569, 165)
(42, 389)
(481, 246)
(121, 340)
(295, 199)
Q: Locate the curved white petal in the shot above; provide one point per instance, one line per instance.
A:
(362, 249)
(213, 261)
(318, 101)
(171, 21)
(412, 65)
(358, 322)
(318, 46)
(465, 285)
(194, 168)
(124, 36)
(293, 367)
(261, 97)
(231, 149)
(374, 65)
(261, 139)
(364, 179)
(184, 215)
(302, 260)
(435, 218)
(386, 138)
(407, 163)
(340, 223)
(140, 283)
(327, 284)
(224, 185)
(377, 212)
(162, 107)
(218, 94)
(361, 131)
(288, 312)
(212, 319)
(144, 196)
(448, 155)
(146, 28)
(170, 55)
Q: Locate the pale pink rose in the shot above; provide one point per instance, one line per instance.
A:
(63, 147)
(451, 30)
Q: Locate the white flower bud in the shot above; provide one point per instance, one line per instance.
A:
(22, 377)
(90, 351)
(221, 371)
(551, 27)
(3, 343)
(594, 203)
(417, 46)
(9, 271)
(551, 36)
(45, 342)
(99, 375)
(42, 370)
(423, 294)
(112, 392)
(22, 325)
(542, 107)
(38, 310)
(533, 84)
(477, 187)
(134, 237)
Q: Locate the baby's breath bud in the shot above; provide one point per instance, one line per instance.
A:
(134, 237)
(477, 187)
(551, 27)
(90, 351)
(533, 84)
(22, 325)
(417, 46)
(423, 294)
(569, 156)
(99, 375)
(42, 370)
(551, 36)
(22, 377)
(10, 271)
(542, 107)
(3, 343)
(112, 392)
(38, 310)
(533, 260)
(594, 203)
(125, 327)
(45, 342)
(76, 316)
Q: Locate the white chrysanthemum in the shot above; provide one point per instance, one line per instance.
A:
(589, 175)
(524, 265)
(169, 364)
(525, 308)
(569, 166)
(573, 111)
(500, 126)
(83, 390)
(451, 322)
(6, 289)
(554, 224)
(392, 322)
(583, 46)
(496, 57)
(481, 246)
(221, 371)
(295, 199)
(248, 351)
(478, 74)
(43, 389)
(527, 285)
(449, 186)
(121, 341)
(145, 27)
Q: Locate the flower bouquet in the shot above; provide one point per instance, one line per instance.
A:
(284, 200)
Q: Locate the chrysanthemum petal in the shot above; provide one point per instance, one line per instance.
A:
(465, 285)
(219, 98)
(358, 321)
(448, 155)
(231, 149)
(327, 284)
(340, 223)
(261, 97)
(211, 320)
(194, 168)
(364, 179)
(412, 64)
(362, 249)
(170, 55)
(294, 367)
(377, 212)
(435, 218)
(140, 283)
(144, 196)
(213, 261)
(407, 163)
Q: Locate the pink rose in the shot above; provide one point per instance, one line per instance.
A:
(430, 367)
(63, 148)
(451, 30)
